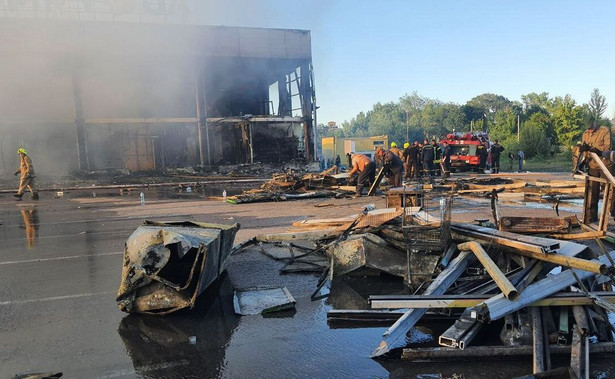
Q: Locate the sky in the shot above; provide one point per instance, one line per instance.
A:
(369, 51)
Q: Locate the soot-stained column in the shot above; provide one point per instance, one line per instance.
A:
(82, 148)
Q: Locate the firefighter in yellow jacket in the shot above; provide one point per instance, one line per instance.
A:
(596, 139)
(26, 172)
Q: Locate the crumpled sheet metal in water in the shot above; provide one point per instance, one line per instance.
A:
(262, 299)
(168, 264)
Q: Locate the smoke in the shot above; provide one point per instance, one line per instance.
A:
(52, 68)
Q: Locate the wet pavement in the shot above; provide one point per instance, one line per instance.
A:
(60, 266)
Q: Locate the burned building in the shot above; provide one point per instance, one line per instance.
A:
(90, 95)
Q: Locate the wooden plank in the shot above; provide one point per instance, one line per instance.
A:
(605, 171)
(560, 299)
(579, 354)
(494, 271)
(299, 236)
(440, 353)
(376, 217)
(538, 341)
(377, 180)
(580, 236)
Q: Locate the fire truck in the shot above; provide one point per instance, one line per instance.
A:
(464, 149)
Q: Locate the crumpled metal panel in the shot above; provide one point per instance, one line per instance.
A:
(168, 264)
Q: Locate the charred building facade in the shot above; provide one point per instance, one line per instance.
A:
(95, 95)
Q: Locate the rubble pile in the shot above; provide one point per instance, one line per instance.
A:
(291, 185)
(541, 295)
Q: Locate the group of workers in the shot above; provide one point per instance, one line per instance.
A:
(413, 161)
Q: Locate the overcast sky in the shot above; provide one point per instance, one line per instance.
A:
(378, 50)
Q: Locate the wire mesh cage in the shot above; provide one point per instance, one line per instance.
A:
(427, 220)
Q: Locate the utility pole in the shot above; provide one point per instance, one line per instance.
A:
(407, 128)
(518, 128)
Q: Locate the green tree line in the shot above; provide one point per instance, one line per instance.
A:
(537, 124)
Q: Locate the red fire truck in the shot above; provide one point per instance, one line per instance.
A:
(464, 149)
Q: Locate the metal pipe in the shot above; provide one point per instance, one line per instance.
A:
(572, 262)
(498, 276)
(498, 306)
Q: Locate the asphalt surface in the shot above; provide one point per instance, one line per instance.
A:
(60, 266)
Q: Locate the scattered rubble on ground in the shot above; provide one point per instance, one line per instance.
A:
(528, 280)
(518, 277)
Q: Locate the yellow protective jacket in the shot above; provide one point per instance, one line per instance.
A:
(599, 139)
(25, 166)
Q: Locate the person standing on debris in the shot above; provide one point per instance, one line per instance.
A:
(496, 151)
(446, 160)
(26, 172)
(521, 157)
(427, 156)
(338, 162)
(366, 168)
(393, 168)
(595, 140)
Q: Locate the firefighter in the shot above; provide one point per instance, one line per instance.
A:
(496, 150)
(437, 158)
(26, 178)
(393, 167)
(446, 160)
(366, 168)
(427, 156)
(596, 140)
(482, 157)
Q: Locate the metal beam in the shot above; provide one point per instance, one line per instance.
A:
(395, 336)
(142, 120)
(499, 306)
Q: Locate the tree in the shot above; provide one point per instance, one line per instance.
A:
(504, 126)
(597, 104)
(567, 120)
(489, 103)
(537, 100)
(533, 137)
